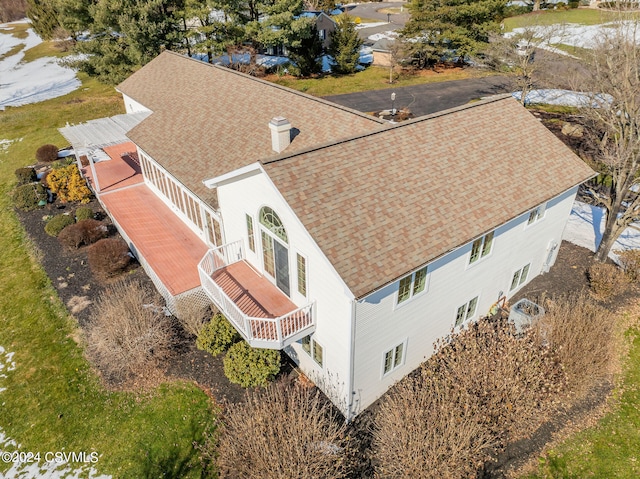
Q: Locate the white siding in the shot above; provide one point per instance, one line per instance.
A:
(132, 106)
(247, 195)
(420, 321)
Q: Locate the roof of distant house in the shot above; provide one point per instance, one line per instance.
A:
(209, 120)
(397, 199)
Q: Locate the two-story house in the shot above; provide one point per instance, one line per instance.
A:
(349, 243)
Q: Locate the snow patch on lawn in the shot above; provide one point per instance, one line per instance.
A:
(42, 79)
(5, 144)
(585, 227)
(574, 35)
(360, 26)
(563, 98)
(41, 469)
(389, 35)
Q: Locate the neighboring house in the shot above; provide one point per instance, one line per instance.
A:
(325, 25)
(348, 243)
(382, 52)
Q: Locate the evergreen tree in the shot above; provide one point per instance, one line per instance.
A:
(305, 47)
(278, 21)
(438, 26)
(127, 34)
(345, 46)
(44, 17)
(74, 15)
(216, 26)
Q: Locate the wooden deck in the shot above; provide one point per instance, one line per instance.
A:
(123, 169)
(254, 294)
(166, 243)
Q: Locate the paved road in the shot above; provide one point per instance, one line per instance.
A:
(425, 99)
(370, 10)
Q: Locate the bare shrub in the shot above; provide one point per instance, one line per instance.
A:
(84, 232)
(281, 431)
(420, 433)
(630, 263)
(582, 336)
(108, 257)
(483, 388)
(47, 153)
(606, 280)
(128, 335)
(193, 316)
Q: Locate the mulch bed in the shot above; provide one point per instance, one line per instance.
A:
(72, 278)
(76, 285)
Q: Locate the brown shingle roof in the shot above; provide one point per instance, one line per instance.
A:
(209, 120)
(385, 203)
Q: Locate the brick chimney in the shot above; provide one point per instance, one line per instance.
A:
(280, 133)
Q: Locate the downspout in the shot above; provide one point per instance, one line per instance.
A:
(352, 349)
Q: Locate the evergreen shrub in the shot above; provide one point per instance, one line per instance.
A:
(217, 335)
(26, 176)
(47, 153)
(56, 224)
(84, 232)
(27, 197)
(108, 257)
(249, 366)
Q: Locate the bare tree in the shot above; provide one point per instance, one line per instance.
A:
(612, 121)
(396, 55)
(515, 54)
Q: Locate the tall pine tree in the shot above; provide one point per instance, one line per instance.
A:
(345, 46)
(44, 17)
(463, 26)
(305, 47)
(127, 34)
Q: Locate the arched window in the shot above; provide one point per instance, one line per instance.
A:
(270, 220)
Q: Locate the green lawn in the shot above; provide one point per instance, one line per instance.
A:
(581, 16)
(54, 400)
(612, 448)
(372, 78)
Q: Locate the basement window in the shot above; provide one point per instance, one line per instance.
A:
(466, 311)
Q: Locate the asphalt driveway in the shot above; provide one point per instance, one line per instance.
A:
(425, 99)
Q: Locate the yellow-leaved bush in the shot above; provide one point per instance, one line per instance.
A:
(67, 183)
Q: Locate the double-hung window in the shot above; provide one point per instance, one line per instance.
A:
(302, 274)
(393, 359)
(481, 247)
(536, 214)
(466, 311)
(250, 233)
(313, 349)
(519, 277)
(412, 284)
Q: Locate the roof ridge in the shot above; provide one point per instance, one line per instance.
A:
(390, 127)
(281, 87)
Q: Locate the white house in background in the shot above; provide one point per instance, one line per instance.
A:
(349, 243)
